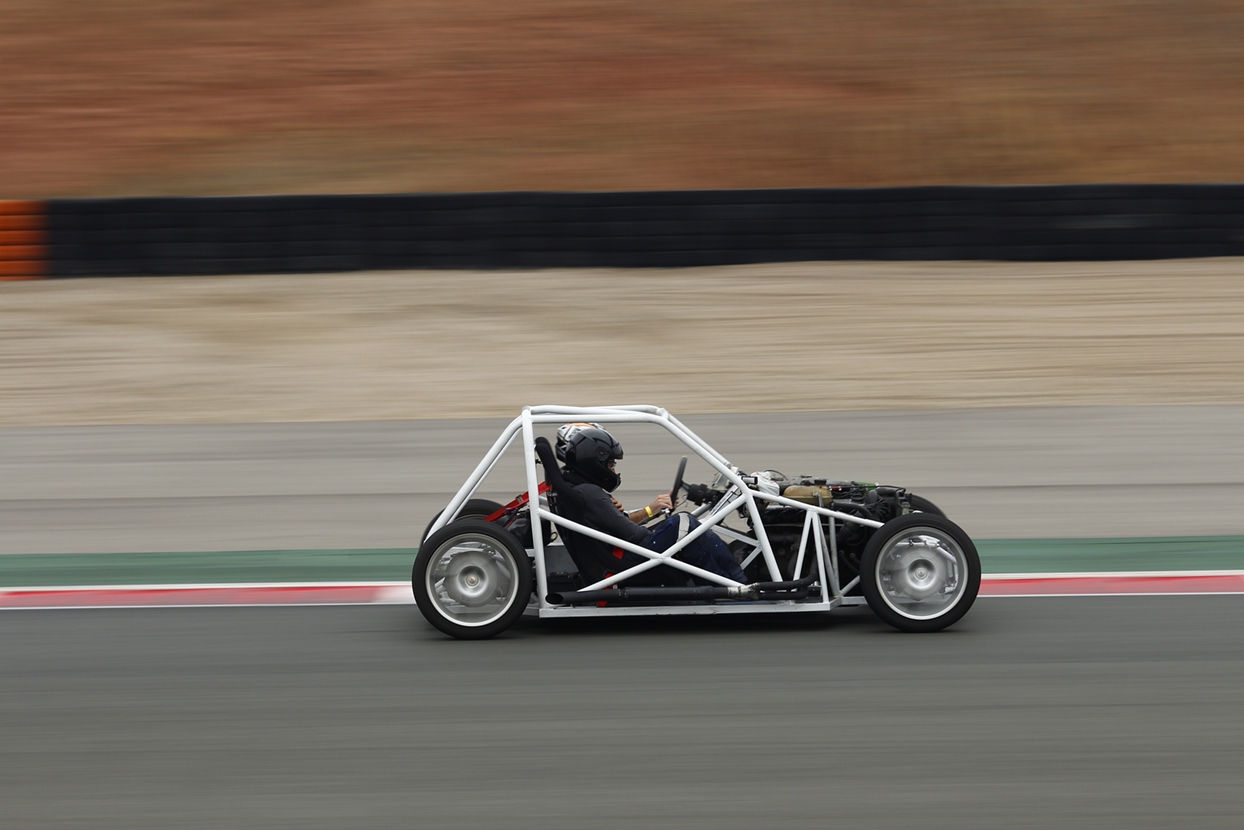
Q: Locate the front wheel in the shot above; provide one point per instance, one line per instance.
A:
(471, 579)
(920, 572)
(922, 505)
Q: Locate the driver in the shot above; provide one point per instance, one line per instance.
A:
(662, 502)
(590, 455)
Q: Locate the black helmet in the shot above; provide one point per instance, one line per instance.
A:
(588, 453)
(567, 431)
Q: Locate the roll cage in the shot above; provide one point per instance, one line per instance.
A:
(817, 551)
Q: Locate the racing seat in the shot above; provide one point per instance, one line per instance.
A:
(590, 566)
(593, 565)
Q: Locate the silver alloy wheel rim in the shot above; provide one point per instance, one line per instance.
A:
(472, 580)
(922, 573)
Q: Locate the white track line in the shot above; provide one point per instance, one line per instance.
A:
(263, 594)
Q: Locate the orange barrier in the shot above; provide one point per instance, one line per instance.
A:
(23, 240)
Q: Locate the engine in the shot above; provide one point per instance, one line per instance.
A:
(784, 524)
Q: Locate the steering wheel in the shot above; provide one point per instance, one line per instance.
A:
(682, 468)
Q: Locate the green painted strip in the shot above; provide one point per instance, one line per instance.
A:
(1171, 553)
(998, 556)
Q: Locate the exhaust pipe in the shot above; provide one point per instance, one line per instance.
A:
(791, 590)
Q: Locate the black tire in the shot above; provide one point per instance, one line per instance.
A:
(906, 569)
(473, 507)
(923, 505)
(471, 579)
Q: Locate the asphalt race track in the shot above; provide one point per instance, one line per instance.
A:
(1080, 712)
(1001, 473)
(1088, 712)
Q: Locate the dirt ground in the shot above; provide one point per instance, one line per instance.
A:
(754, 338)
(205, 97)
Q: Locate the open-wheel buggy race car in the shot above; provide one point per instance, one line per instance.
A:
(801, 544)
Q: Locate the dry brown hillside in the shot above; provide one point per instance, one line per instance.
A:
(233, 96)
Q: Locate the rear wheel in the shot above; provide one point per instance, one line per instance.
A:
(920, 572)
(473, 507)
(471, 579)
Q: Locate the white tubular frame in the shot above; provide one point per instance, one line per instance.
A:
(739, 496)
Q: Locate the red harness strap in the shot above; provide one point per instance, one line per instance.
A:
(521, 501)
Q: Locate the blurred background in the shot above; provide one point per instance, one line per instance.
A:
(277, 428)
(211, 97)
(206, 97)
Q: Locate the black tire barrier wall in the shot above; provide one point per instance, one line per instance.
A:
(286, 234)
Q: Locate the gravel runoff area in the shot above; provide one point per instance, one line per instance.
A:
(813, 336)
(214, 97)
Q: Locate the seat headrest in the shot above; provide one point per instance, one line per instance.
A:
(552, 473)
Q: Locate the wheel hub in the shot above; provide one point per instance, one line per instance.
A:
(919, 575)
(472, 579)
